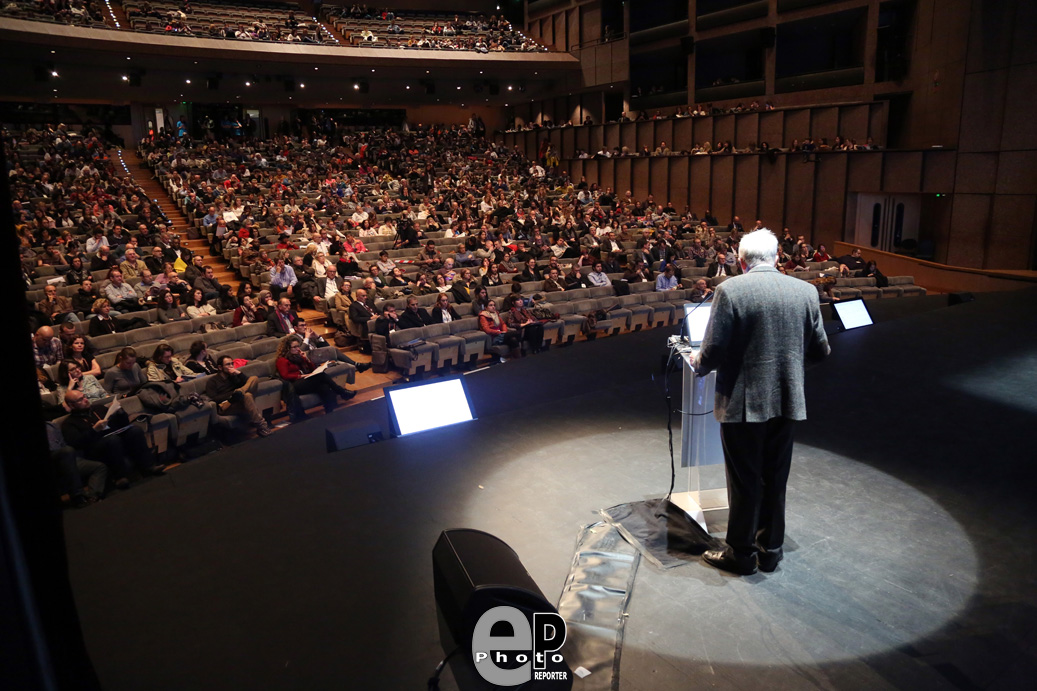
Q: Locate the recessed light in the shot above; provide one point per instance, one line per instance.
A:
(54, 73)
(248, 83)
(509, 87)
(356, 87)
(125, 78)
(458, 88)
(188, 81)
(408, 86)
(301, 85)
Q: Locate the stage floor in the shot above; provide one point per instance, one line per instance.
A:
(911, 528)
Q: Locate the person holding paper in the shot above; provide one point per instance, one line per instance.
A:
(301, 377)
(763, 326)
(112, 440)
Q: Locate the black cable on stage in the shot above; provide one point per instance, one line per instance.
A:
(433, 681)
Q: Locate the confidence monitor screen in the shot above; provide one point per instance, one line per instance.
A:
(852, 314)
(696, 318)
(422, 406)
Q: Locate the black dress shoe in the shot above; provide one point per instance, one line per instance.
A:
(363, 366)
(725, 560)
(769, 560)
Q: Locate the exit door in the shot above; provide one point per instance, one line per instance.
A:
(885, 221)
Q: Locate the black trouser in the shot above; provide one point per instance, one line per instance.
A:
(321, 384)
(124, 452)
(74, 471)
(533, 334)
(757, 457)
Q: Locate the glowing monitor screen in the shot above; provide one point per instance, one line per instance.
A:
(852, 313)
(427, 405)
(696, 317)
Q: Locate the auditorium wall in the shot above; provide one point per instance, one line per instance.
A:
(960, 118)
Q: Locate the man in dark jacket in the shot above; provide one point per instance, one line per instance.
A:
(762, 328)
(414, 316)
(86, 431)
(232, 392)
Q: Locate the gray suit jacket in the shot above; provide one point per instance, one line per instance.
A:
(763, 326)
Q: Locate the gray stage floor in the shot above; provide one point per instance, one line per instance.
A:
(911, 529)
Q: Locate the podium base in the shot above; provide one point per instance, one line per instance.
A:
(706, 507)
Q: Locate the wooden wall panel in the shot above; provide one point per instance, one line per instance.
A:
(1020, 106)
(612, 135)
(747, 130)
(772, 193)
(573, 18)
(592, 171)
(622, 175)
(682, 135)
(797, 125)
(569, 142)
(577, 169)
(659, 178)
(702, 130)
(701, 169)
(640, 177)
(560, 40)
(853, 122)
(878, 120)
(938, 171)
(664, 133)
(722, 192)
(799, 195)
(829, 199)
(678, 181)
(824, 122)
(865, 173)
(1012, 225)
(772, 128)
(1017, 172)
(628, 136)
(607, 173)
(555, 137)
(983, 103)
(902, 172)
(597, 138)
(590, 22)
(976, 173)
(970, 220)
(723, 128)
(645, 135)
(747, 187)
(583, 138)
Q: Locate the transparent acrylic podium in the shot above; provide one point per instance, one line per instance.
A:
(705, 496)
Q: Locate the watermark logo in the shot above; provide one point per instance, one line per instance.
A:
(523, 653)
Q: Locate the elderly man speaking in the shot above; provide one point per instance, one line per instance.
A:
(764, 325)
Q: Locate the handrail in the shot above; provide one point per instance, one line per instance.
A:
(599, 41)
(941, 278)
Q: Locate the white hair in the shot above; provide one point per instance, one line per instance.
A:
(758, 247)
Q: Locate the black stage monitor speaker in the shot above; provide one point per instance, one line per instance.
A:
(347, 436)
(474, 572)
(959, 299)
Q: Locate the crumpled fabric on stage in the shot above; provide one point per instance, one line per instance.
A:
(594, 603)
(661, 531)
